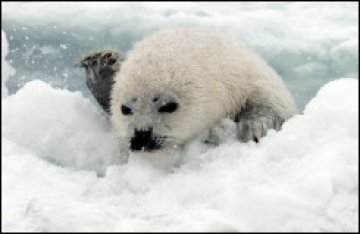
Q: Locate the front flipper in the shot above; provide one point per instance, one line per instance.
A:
(255, 120)
(101, 67)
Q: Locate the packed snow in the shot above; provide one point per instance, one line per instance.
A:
(60, 165)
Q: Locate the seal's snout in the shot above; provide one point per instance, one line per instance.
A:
(143, 133)
(144, 140)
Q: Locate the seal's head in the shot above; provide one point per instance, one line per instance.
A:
(153, 118)
(148, 121)
(164, 94)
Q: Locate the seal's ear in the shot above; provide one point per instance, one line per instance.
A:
(101, 67)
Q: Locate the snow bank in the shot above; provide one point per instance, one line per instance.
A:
(58, 125)
(303, 178)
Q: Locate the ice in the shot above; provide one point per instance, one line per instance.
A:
(6, 69)
(60, 165)
(307, 43)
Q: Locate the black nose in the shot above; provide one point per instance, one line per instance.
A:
(143, 140)
(143, 133)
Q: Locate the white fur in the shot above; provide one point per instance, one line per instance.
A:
(210, 74)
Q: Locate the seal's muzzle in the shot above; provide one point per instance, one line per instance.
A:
(145, 141)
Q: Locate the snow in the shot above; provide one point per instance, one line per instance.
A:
(57, 146)
(60, 165)
(57, 127)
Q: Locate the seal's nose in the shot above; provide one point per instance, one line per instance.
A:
(143, 133)
(142, 139)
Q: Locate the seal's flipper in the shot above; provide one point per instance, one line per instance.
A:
(255, 120)
(101, 67)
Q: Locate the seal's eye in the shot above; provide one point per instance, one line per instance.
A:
(126, 110)
(168, 107)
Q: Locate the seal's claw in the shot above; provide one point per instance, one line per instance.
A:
(255, 121)
(251, 130)
(101, 67)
